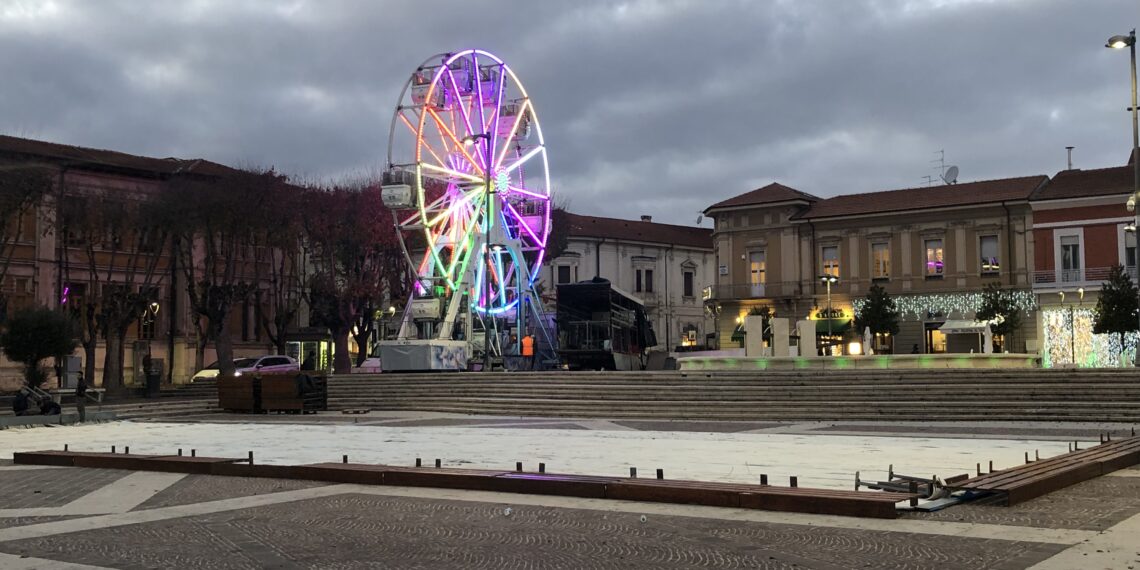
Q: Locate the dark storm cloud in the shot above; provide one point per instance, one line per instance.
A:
(648, 107)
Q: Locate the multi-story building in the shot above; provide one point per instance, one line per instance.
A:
(1079, 234)
(51, 263)
(932, 248)
(666, 266)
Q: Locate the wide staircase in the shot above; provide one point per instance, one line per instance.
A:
(201, 397)
(930, 395)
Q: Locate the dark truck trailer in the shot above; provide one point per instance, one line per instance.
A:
(601, 327)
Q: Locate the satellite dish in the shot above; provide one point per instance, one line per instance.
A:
(951, 175)
(700, 218)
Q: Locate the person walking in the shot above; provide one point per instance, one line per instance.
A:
(81, 397)
(528, 351)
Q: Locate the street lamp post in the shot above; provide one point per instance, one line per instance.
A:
(1121, 42)
(828, 280)
(487, 219)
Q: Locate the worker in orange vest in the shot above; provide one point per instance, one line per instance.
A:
(528, 351)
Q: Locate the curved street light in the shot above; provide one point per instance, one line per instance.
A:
(1121, 42)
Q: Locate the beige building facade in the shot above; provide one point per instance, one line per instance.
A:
(932, 249)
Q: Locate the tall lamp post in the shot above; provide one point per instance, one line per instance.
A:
(488, 218)
(1121, 42)
(828, 280)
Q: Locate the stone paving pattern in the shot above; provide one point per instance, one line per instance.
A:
(202, 488)
(1013, 433)
(1093, 505)
(368, 531)
(52, 487)
(692, 426)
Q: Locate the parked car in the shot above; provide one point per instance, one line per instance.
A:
(267, 363)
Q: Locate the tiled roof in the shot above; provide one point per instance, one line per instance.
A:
(770, 194)
(630, 230)
(77, 156)
(1086, 183)
(967, 193)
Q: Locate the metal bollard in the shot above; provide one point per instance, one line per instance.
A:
(633, 473)
(179, 452)
(991, 466)
(112, 449)
(660, 473)
(438, 463)
(1037, 455)
(65, 447)
(193, 453)
(419, 462)
(763, 478)
(344, 459)
(251, 458)
(542, 468)
(794, 481)
(1026, 457)
(914, 493)
(979, 470)
(518, 466)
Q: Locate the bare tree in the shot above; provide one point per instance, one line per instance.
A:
(117, 240)
(22, 188)
(217, 233)
(354, 255)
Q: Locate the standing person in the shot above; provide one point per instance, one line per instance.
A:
(81, 397)
(528, 351)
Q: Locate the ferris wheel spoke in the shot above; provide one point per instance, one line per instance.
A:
(523, 110)
(462, 108)
(524, 158)
(526, 192)
(521, 221)
(496, 114)
(451, 135)
(454, 173)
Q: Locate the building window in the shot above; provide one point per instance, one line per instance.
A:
(644, 281)
(934, 259)
(1071, 258)
(1130, 253)
(830, 255)
(563, 274)
(758, 268)
(880, 261)
(988, 245)
(688, 283)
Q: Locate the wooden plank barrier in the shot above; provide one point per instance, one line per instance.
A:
(1034, 479)
(764, 497)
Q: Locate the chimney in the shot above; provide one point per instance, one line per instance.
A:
(646, 218)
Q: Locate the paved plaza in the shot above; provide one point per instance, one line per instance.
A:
(96, 518)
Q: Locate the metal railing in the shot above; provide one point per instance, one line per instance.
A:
(1061, 277)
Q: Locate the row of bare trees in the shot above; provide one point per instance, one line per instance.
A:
(230, 240)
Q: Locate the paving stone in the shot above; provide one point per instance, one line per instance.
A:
(34, 488)
(23, 521)
(446, 422)
(202, 488)
(1092, 505)
(368, 531)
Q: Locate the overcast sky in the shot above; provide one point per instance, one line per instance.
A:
(648, 107)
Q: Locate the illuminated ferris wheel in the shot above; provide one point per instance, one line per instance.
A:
(469, 186)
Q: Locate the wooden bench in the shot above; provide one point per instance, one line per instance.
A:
(1037, 478)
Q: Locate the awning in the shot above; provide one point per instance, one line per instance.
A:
(837, 326)
(963, 327)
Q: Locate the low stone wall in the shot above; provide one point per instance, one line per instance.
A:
(886, 361)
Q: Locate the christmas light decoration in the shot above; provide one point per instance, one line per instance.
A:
(1068, 332)
(949, 305)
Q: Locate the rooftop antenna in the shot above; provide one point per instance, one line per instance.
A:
(941, 160)
(1070, 149)
(929, 180)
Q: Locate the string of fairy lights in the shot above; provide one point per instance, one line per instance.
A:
(949, 305)
(1068, 331)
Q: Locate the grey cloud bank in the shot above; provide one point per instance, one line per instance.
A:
(655, 108)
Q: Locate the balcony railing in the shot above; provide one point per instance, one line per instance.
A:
(756, 290)
(1064, 277)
